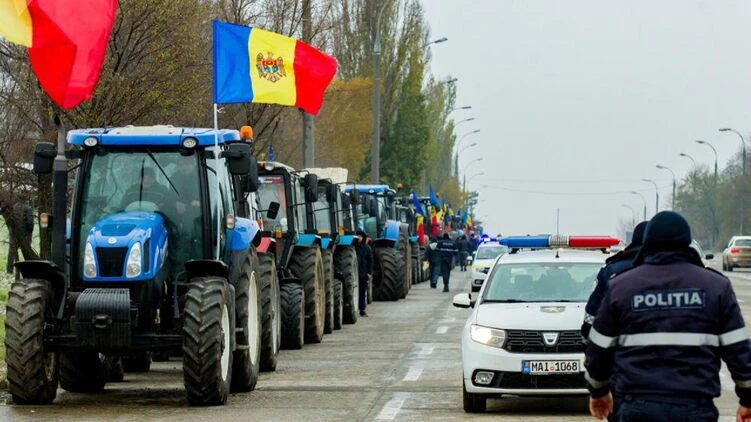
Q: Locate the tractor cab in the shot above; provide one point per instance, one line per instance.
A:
(376, 211)
(333, 214)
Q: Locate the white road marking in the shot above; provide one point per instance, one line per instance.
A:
(413, 374)
(426, 350)
(442, 329)
(390, 409)
(447, 320)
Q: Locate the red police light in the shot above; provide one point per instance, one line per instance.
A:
(592, 241)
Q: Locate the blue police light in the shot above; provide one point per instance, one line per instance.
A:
(525, 241)
(545, 241)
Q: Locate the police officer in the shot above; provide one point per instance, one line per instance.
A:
(616, 264)
(661, 331)
(432, 255)
(365, 270)
(446, 250)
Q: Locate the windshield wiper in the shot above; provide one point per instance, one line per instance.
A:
(561, 300)
(504, 301)
(148, 151)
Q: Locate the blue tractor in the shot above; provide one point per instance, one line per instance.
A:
(376, 214)
(160, 258)
(282, 200)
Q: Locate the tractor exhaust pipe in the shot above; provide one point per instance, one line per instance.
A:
(60, 198)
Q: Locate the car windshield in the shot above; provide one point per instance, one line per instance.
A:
(271, 189)
(742, 242)
(541, 282)
(490, 252)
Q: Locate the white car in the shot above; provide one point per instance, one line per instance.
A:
(485, 256)
(523, 336)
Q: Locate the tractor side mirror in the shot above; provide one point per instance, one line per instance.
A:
(238, 159)
(251, 182)
(331, 191)
(44, 156)
(354, 197)
(273, 211)
(311, 188)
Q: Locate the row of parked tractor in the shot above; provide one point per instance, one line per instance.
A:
(179, 243)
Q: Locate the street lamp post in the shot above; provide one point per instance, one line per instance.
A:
(461, 108)
(456, 156)
(464, 173)
(438, 41)
(657, 194)
(715, 228)
(469, 119)
(743, 179)
(633, 213)
(644, 200)
(715, 155)
(671, 172)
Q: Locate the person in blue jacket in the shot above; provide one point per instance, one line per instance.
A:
(660, 333)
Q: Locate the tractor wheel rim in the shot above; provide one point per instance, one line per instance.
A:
(224, 362)
(253, 320)
(275, 320)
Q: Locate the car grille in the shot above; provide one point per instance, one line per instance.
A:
(111, 261)
(518, 380)
(519, 341)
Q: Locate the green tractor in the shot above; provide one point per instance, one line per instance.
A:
(159, 257)
(289, 235)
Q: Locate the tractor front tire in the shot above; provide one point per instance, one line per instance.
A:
(82, 371)
(338, 304)
(271, 331)
(32, 372)
(405, 265)
(307, 265)
(292, 300)
(346, 265)
(247, 356)
(207, 341)
(328, 272)
(386, 272)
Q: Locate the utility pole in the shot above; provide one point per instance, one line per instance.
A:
(375, 147)
(308, 145)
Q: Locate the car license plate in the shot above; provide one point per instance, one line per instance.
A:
(545, 367)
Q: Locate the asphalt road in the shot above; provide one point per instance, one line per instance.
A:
(402, 363)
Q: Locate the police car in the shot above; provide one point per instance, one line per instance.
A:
(485, 256)
(523, 334)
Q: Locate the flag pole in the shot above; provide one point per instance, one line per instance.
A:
(218, 189)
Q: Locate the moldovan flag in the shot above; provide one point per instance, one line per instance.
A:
(66, 40)
(256, 66)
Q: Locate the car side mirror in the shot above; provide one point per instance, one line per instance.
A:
(311, 188)
(273, 211)
(709, 256)
(44, 156)
(462, 300)
(239, 159)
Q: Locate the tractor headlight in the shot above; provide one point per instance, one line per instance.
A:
(487, 336)
(91, 141)
(190, 142)
(133, 266)
(269, 165)
(89, 263)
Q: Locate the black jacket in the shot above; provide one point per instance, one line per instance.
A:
(364, 259)
(445, 250)
(616, 264)
(662, 329)
(462, 245)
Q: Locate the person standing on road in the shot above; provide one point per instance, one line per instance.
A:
(462, 245)
(446, 252)
(365, 270)
(616, 264)
(661, 331)
(433, 261)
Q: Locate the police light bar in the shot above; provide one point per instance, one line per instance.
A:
(517, 242)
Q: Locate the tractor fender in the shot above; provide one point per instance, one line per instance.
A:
(205, 268)
(345, 240)
(326, 243)
(45, 270)
(243, 235)
(392, 229)
(266, 244)
(384, 243)
(307, 240)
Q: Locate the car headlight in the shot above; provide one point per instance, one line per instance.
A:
(133, 267)
(89, 263)
(487, 336)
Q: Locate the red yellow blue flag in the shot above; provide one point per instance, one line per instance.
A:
(252, 65)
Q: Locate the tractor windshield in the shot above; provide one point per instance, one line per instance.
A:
(321, 213)
(271, 189)
(127, 180)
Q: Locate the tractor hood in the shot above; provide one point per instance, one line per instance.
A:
(127, 246)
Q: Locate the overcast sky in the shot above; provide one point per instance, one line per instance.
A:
(586, 97)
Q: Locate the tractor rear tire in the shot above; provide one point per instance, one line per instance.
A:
(346, 265)
(389, 285)
(306, 264)
(338, 304)
(207, 341)
(271, 331)
(140, 362)
(405, 268)
(247, 355)
(32, 372)
(82, 371)
(328, 272)
(292, 300)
